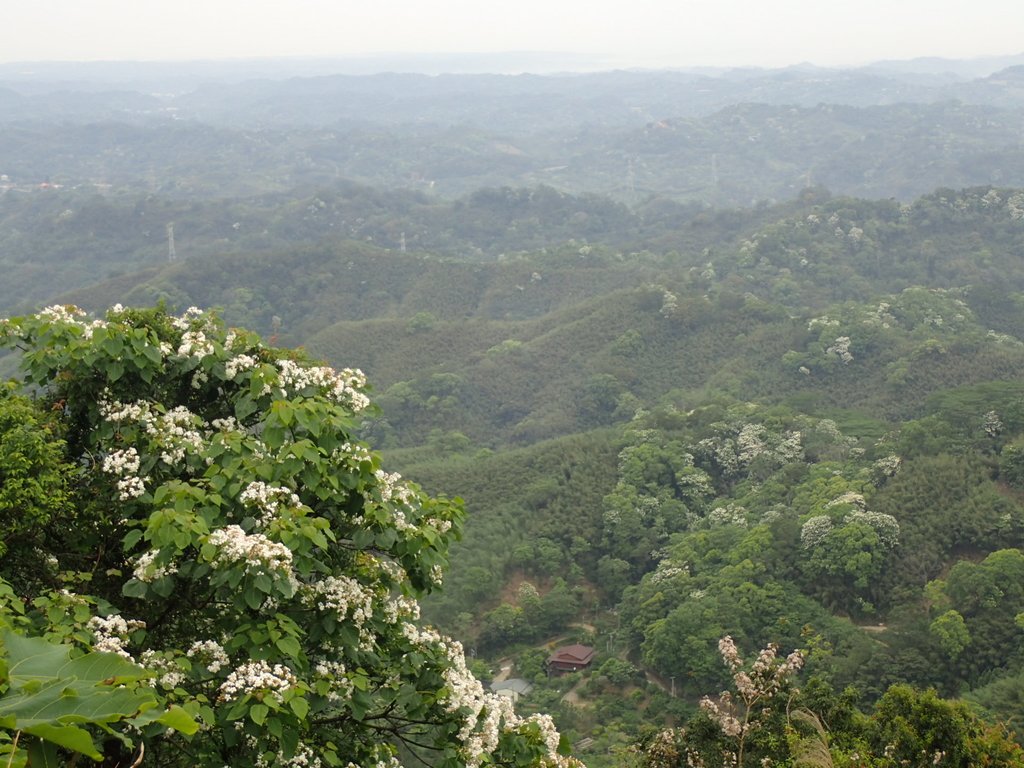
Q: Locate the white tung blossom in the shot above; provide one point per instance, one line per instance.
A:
(336, 674)
(169, 675)
(841, 350)
(992, 424)
(886, 526)
(254, 677)
(347, 598)
(254, 550)
(343, 387)
(239, 363)
(887, 466)
(124, 464)
(210, 654)
(189, 318)
(815, 531)
(195, 345)
(268, 500)
(146, 571)
(850, 497)
(177, 432)
(110, 633)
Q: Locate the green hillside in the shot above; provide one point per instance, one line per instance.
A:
(800, 424)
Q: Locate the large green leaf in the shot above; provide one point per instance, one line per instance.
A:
(68, 736)
(35, 659)
(67, 701)
(51, 693)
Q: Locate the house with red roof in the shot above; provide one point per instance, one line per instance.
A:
(570, 658)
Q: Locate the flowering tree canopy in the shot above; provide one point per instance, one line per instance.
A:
(216, 521)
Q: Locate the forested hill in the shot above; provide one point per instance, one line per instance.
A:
(282, 95)
(706, 353)
(736, 155)
(800, 423)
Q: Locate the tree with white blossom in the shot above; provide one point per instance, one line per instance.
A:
(735, 729)
(228, 532)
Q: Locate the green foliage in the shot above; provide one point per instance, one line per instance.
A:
(952, 633)
(49, 696)
(1011, 464)
(33, 474)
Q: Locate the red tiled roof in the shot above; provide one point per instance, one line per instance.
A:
(572, 654)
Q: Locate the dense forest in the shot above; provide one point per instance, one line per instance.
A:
(748, 369)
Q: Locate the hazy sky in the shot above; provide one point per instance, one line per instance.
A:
(626, 32)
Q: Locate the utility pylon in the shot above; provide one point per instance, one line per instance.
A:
(172, 255)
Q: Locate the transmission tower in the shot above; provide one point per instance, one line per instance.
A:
(172, 255)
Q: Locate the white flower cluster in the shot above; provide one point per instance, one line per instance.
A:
(1002, 338)
(815, 531)
(841, 350)
(750, 442)
(115, 411)
(110, 633)
(125, 463)
(483, 712)
(256, 676)
(886, 526)
(335, 673)
(882, 316)
(176, 432)
(992, 424)
(771, 516)
(239, 363)
(887, 466)
(548, 732)
(89, 328)
(824, 322)
(67, 315)
(303, 757)
(254, 550)
(392, 487)
(188, 318)
(852, 498)
(195, 345)
(728, 514)
(737, 444)
(145, 570)
(390, 569)
(210, 654)
(669, 304)
(439, 525)
(343, 387)
(227, 424)
(436, 575)
(169, 674)
(767, 676)
(723, 713)
(667, 570)
(1015, 205)
(828, 429)
(268, 500)
(391, 762)
(399, 608)
(62, 313)
(351, 453)
(346, 597)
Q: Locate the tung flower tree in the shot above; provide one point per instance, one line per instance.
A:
(226, 530)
